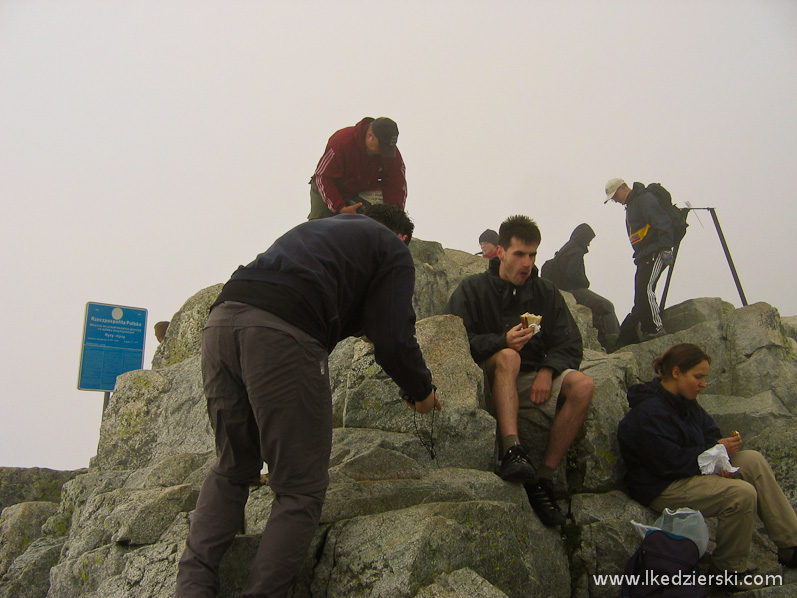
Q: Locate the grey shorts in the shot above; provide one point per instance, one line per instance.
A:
(524, 382)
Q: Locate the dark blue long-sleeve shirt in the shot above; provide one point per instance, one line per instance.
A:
(342, 276)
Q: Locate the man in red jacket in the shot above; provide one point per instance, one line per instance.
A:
(360, 163)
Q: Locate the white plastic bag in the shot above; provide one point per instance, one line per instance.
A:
(684, 522)
(714, 460)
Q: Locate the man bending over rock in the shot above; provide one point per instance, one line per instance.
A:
(266, 378)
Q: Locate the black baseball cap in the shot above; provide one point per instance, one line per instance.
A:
(386, 131)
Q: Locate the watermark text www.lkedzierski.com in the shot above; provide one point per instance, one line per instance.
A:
(728, 578)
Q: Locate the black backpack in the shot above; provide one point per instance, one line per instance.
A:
(552, 270)
(677, 215)
(662, 553)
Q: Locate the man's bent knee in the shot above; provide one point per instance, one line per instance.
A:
(578, 387)
(506, 361)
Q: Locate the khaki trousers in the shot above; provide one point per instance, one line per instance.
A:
(735, 503)
(318, 208)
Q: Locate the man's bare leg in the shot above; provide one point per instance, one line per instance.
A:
(577, 390)
(503, 369)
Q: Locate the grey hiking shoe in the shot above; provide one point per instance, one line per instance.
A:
(543, 501)
(516, 467)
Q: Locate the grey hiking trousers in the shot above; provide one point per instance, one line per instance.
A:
(268, 397)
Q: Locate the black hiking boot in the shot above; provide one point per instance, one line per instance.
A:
(516, 467)
(543, 501)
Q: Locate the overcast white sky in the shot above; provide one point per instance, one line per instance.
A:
(148, 148)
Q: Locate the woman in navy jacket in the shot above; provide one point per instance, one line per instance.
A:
(660, 439)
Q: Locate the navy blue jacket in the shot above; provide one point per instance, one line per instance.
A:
(649, 226)
(489, 306)
(660, 439)
(342, 276)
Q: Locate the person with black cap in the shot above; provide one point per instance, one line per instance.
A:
(488, 241)
(361, 165)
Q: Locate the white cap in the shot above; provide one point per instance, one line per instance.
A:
(611, 188)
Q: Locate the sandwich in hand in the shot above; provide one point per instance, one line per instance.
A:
(528, 320)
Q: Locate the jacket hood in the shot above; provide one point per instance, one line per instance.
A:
(638, 393)
(582, 235)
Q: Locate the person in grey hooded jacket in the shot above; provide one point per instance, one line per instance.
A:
(566, 270)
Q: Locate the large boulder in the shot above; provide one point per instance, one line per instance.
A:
(19, 526)
(602, 538)
(20, 484)
(695, 311)
(789, 326)
(750, 352)
(583, 318)
(184, 335)
(462, 583)
(154, 414)
(499, 541)
(594, 464)
(438, 272)
(748, 415)
(29, 574)
(462, 431)
(413, 508)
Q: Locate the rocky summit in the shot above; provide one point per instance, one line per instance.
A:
(397, 523)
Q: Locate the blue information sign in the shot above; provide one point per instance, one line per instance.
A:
(113, 343)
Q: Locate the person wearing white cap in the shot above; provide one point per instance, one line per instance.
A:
(652, 237)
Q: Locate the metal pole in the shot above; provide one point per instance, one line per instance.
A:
(663, 301)
(728, 255)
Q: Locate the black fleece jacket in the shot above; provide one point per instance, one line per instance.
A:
(660, 439)
(342, 276)
(489, 306)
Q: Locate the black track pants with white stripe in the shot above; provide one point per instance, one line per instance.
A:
(646, 307)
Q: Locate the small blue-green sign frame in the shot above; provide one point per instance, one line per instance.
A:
(113, 343)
